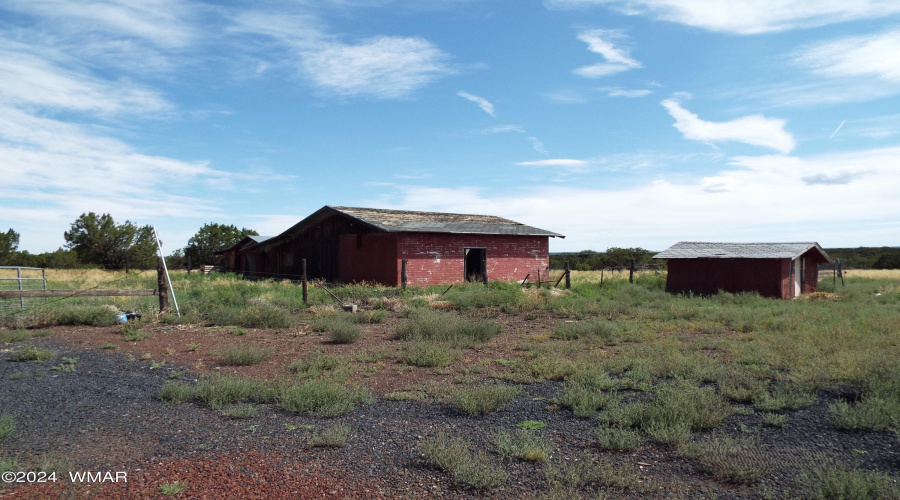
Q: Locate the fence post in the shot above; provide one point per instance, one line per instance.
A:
(601, 277)
(303, 281)
(568, 276)
(163, 287)
(631, 272)
(19, 281)
(189, 265)
(403, 276)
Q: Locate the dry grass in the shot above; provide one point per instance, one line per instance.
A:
(892, 274)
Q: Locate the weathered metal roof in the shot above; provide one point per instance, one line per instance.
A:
(244, 242)
(704, 250)
(438, 222)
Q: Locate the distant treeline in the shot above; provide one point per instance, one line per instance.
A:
(589, 260)
(867, 257)
(613, 257)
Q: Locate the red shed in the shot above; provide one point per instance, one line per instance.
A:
(782, 270)
(346, 244)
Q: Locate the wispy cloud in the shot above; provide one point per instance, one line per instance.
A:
(629, 93)
(538, 145)
(556, 162)
(603, 42)
(502, 129)
(32, 81)
(876, 56)
(745, 18)
(165, 23)
(381, 67)
(756, 130)
(566, 97)
(482, 103)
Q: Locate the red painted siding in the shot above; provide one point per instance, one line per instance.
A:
(769, 277)
(438, 257)
(369, 257)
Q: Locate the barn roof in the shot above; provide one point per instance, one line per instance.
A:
(246, 241)
(405, 221)
(704, 250)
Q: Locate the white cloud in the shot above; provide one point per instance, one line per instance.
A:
(602, 42)
(837, 176)
(629, 93)
(501, 129)
(566, 97)
(482, 103)
(165, 23)
(876, 56)
(756, 130)
(538, 145)
(382, 67)
(745, 17)
(754, 198)
(556, 162)
(32, 81)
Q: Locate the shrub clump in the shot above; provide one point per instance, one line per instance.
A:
(426, 324)
(245, 355)
(31, 353)
(607, 332)
(323, 398)
(217, 391)
(454, 455)
(485, 399)
(175, 392)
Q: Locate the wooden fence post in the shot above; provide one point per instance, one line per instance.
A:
(403, 276)
(631, 272)
(189, 266)
(163, 287)
(303, 281)
(568, 277)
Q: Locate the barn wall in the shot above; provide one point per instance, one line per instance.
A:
(319, 245)
(369, 257)
(438, 257)
(768, 277)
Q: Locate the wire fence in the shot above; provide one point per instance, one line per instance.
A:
(21, 278)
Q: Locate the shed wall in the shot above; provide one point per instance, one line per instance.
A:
(768, 277)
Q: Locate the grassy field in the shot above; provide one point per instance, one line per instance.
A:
(644, 365)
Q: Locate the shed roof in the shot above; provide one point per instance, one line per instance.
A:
(395, 221)
(704, 250)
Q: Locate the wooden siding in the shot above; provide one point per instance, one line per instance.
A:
(769, 277)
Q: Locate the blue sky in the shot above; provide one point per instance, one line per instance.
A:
(614, 122)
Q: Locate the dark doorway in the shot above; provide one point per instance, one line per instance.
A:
(475, 268)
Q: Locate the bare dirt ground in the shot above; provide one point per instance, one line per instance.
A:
(105, 416)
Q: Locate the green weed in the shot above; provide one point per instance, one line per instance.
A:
(474, 469)
(485, 399)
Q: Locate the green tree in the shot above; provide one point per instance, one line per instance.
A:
(621, 257)
(211, 238)
(9, 242)
(99, 240)
(888, 261)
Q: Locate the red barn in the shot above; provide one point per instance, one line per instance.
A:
(347, 245)
(237, 257)
(782, 270)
